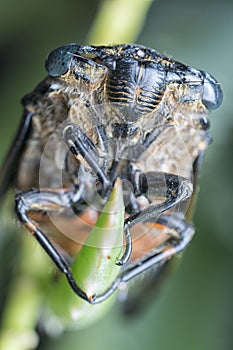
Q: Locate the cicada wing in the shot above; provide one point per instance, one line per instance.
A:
(196, 170)
(9, 167)
(9, 242)
(145, 289)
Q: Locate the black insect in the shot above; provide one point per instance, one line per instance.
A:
(108, 112)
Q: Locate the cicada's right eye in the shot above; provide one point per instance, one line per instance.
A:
(212, 93)
(60, 60)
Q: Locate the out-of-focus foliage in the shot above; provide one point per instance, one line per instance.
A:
(194, 310)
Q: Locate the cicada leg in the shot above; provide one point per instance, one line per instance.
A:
(177, 190)
(49, 201)
(46, 201)
(79, 143)
(185, 232)
(174, 187)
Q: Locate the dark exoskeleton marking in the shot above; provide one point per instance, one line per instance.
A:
(115, 103)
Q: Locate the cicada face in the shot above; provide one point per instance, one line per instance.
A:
(105, 113)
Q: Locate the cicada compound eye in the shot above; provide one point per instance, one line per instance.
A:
(212, 92)
(60, 60)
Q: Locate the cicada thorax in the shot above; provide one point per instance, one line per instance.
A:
(136, 87)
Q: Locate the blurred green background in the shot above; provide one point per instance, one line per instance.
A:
(194, 310)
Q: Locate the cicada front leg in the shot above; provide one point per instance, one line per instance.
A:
(80, 144)
(46, 201)
(185, 232)
(174, 188)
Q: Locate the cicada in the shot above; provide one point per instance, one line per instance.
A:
(105, 113)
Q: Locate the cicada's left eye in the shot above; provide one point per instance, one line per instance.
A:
(212, 93)
(60, 60)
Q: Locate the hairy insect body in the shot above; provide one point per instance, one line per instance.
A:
(177, 127)
(105, 113)
(130, 115)
(44, 107)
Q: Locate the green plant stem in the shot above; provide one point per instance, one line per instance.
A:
(118, 21)
(24, 299)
